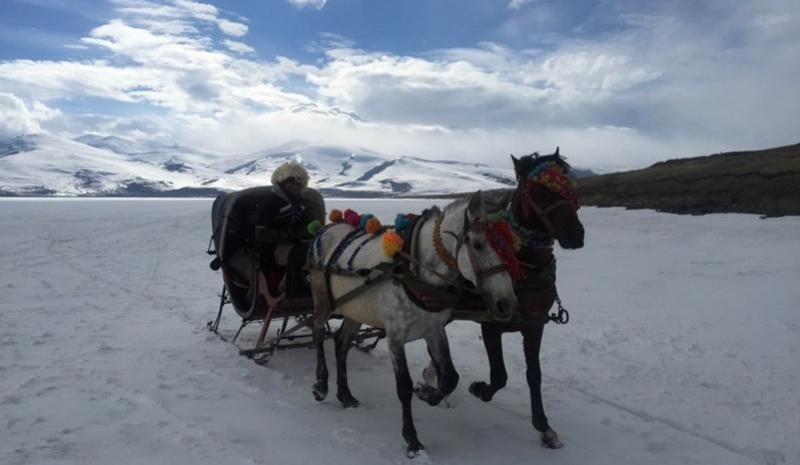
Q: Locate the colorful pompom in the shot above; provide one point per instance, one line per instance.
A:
(335, 216)
(391, 242)
(314, 227)
(364, 218)
(402, 220)
(372, 225)
(352, 218)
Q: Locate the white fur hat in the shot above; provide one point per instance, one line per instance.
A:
(290, 169)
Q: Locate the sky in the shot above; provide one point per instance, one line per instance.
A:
(681, 349)
(617, 84)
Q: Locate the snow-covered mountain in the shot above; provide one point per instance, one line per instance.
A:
(93, 165)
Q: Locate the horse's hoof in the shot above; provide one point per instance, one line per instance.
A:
(428, 393)
(347, 399)
(481, 390)
(550, 439)
(320, 392)
(415, 449)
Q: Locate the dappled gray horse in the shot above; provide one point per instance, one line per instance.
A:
(352, 275)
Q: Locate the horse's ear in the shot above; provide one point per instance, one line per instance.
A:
(556, 154)
(475, 206)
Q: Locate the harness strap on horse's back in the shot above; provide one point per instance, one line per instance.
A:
(339, 250)
(427, 296)
(404, 270)
(362, 244)
(385, 271)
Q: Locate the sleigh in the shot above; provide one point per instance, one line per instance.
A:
(542, 209)
(264, 296)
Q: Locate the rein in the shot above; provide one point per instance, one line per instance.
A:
(450, 260)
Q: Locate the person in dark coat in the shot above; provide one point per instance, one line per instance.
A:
(282, 221)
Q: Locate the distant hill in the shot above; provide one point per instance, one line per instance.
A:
(109, 166)
(764, 182)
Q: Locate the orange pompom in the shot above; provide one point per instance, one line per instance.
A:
(373, 225)
(335, 216)
(391, 243)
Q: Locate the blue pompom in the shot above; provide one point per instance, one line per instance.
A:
(401, 221)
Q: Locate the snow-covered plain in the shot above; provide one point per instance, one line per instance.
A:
(683, 348)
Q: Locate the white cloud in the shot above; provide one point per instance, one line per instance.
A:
(232, 28)
(769, 20)
(203, 11)
(17, 119)
(516, 4)
(238, 47)
(659, 85)
(318, 4)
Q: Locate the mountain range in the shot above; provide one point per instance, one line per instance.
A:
(44, 164)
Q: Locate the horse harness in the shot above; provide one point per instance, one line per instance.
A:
(406, 266)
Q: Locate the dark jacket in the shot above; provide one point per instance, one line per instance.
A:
(282, 217)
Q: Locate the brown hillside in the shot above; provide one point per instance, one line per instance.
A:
(765, 182)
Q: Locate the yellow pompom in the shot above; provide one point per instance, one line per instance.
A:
(373, 225)
(391, 243)
(335, 216)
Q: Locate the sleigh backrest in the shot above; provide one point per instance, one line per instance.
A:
(233, 216)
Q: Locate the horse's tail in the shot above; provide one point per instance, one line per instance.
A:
(320, 285)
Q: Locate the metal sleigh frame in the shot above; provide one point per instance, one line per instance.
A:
(278, 308)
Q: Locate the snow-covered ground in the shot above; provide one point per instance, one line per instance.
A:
(683, 348)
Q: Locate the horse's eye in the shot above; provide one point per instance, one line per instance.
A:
(477, 245)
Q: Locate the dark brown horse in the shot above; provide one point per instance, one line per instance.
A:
(543, 208)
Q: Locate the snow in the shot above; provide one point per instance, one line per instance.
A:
(683, 348)
(92, 165)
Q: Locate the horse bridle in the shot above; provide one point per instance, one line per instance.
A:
(451, 261)
(544, 214)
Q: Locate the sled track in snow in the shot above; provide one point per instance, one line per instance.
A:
(759, 456)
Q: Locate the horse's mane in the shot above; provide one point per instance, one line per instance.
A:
(528, 163)
(432, 212)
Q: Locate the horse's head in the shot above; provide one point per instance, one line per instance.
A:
(487, 258)
(545, 199)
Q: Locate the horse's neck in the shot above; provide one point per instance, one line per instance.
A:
(535, 257)
(434, 268)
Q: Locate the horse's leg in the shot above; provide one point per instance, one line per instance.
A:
(344, 339)
(405, 391)
(532, 343)
(446, 374)
(323, 308)
(320, 388)
(493, 342)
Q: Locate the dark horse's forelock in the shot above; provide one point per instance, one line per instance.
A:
(527, 163)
